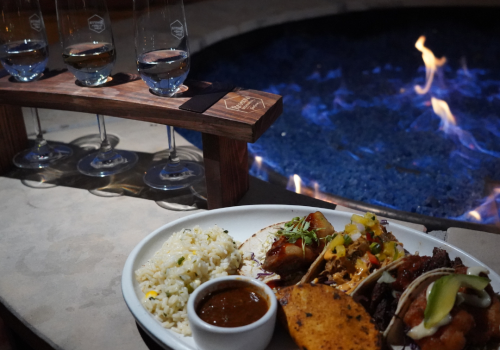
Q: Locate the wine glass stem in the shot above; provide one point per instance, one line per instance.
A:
(42, 150)
(40, 141)
(106, 155)
(105, 145)
(173, 159)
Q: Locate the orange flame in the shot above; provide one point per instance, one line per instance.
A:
(298, 183)
(431, 65)
(442, 109)
(488, 208)
(475, 214)
(258, 161)
(316, 190)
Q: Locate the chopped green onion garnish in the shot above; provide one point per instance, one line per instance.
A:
(347, 240)
(375, 248)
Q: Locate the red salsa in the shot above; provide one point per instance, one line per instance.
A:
(232, 307)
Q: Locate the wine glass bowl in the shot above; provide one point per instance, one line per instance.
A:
(24, 51)
(24, 60)
(87, 40)
(90, 63)
(164, 71)
(161, 44)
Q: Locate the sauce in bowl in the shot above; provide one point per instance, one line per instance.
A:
(232, 306)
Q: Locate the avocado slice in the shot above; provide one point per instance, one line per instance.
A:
(443, 295)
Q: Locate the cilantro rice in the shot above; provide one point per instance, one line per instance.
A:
(186, 260)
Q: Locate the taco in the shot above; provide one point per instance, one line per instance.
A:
(450, 310)
(364, 247)
(309, 250)
(380, 293)
(283, 252)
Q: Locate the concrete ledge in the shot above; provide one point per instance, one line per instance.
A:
(216, 20)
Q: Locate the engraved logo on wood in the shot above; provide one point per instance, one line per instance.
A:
(36, 22)
(177, 29)
(244, 104)
(96, 24)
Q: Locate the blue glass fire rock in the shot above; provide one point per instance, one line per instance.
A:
(352, 121)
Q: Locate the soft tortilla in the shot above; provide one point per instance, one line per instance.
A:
(252, 267)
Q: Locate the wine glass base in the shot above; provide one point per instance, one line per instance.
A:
(168, 92)
(199, 190)
(121, 161)
(179, 201)
(29, 159)
(181, 176)
(26, 78)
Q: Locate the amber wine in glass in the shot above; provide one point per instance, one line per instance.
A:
(89, 53)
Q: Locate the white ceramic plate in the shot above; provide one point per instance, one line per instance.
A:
(242, 222)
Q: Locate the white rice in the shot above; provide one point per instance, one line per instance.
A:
(186, 260)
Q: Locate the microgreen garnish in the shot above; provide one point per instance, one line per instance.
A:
(297, 229)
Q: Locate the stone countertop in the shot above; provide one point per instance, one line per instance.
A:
(62, 253)
(62, 250)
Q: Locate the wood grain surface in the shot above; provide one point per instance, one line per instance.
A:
(226, 170)
(243, 115)
(13, 137)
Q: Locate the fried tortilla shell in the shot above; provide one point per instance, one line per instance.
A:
(321, 317)
(316, 267)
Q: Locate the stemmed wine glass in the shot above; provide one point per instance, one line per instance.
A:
(89, 53)
(162, 53)
(24, 54)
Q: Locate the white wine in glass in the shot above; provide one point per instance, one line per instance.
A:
(24, 54)
(162, 53)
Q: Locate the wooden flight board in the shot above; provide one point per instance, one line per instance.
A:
(239, 117)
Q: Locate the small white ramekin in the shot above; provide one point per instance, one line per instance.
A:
(255, 336)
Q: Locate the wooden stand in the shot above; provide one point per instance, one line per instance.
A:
(239, 117)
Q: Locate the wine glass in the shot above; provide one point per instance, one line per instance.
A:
(89, 53)
(162, 53)
(24, 53)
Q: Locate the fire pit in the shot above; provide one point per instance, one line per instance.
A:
(365, 122)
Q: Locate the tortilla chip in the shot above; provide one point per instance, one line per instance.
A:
(321, 317)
